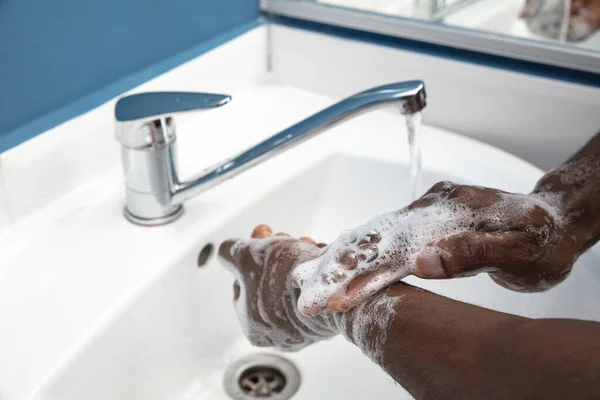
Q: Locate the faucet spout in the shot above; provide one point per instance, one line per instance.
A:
(155, 195)
(408, 96)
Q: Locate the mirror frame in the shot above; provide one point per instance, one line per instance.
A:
(555, 54)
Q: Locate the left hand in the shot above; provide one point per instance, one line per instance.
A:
(264, 298)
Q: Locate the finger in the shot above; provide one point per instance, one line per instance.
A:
(282, 234)
(225, 250)
(308, 240)
(433, 195)
(473, 252)
(312, 309)
(294, 281)
(360, 289)
(261, 231)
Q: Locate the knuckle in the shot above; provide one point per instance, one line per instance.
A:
(472, 248)
(540, 217)
(474, 197)
(528, 248)
(225, 249)
(441, 187)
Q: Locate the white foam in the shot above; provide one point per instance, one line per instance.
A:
(295, 331)
(399, 238)
(369, 325)
(579, 170)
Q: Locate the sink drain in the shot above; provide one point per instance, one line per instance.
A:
(262, 376)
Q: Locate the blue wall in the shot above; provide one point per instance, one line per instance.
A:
(59, 58)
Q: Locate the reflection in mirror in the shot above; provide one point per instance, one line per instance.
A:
(572, 22)
(432, 10)
(575, 22)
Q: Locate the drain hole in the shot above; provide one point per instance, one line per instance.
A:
(205, 254)
(262, 376)
(262, 381)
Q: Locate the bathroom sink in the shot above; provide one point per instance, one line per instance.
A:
(176, 337)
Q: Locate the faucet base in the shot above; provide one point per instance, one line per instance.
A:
(154, 221)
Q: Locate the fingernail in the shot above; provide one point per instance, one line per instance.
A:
(429, 265)
(261, 231)
(349, 260)
(338, 302)
(338, 306)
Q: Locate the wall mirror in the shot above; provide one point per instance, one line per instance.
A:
(563, 33)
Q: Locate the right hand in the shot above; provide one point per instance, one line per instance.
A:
(451, 231)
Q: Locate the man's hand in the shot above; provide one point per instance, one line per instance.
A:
(265, 301)
(452, 231)
(520, 240)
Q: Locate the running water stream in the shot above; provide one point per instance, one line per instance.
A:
(413, 126)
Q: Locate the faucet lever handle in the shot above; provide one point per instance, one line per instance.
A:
(144, 119)
(154, 104)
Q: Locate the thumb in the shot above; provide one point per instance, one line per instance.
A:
(474, 252)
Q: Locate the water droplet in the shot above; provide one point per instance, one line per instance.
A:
(337, 277)
(368, 252)
(373, 237)
(349, 260)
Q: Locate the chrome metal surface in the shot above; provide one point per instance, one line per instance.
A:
(486, 42)
(143, 119)
(264, 376)
(155, 194)
(156, 221)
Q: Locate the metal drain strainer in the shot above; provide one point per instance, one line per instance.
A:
(262, 376)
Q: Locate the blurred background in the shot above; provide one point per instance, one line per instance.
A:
(573, 22)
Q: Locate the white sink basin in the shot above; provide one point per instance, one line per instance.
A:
(177, 335)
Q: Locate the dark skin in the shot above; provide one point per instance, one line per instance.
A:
(435, 347)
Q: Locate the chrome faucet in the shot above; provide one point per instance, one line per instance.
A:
(146, 131)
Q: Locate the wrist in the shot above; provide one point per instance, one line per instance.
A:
(574, 199)
(355, 322)
(368, 324)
